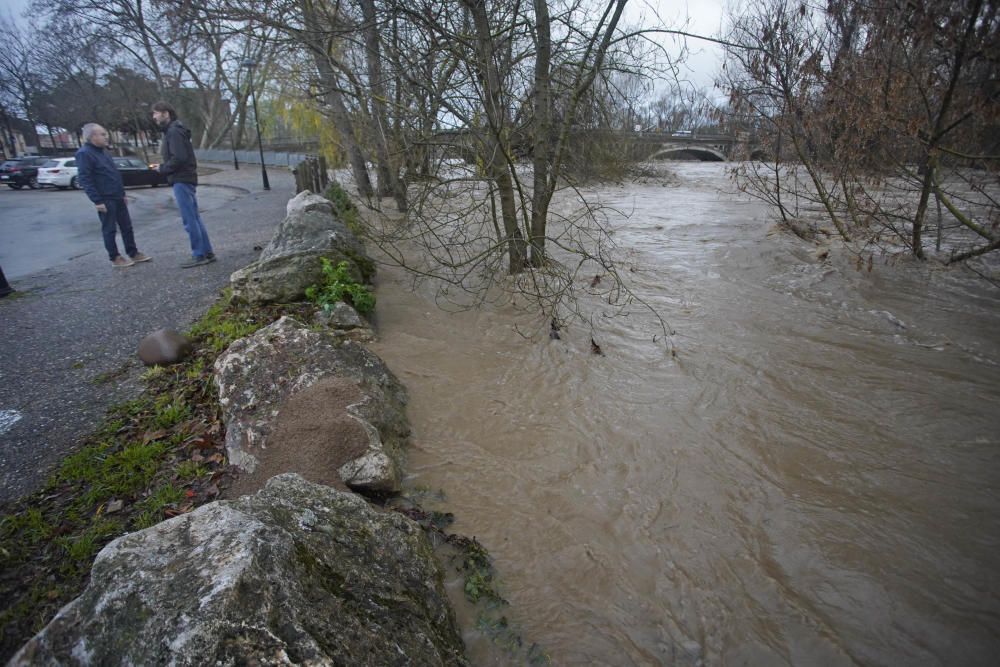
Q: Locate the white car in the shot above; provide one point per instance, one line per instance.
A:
(59, 172)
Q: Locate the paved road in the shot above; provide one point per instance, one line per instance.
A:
(75, 318)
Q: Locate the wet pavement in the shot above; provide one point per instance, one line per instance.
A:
(68, 336)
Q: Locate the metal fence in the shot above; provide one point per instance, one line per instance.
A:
(271, 159)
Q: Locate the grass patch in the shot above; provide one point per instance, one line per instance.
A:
(160, 455)
(227, 321)
(19, 294)
(170, 411)
(153, 372)
(191, 470)
(112, 375)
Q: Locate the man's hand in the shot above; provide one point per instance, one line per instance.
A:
(102, 208)
(155, 166)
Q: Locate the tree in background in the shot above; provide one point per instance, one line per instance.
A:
(191, 57)
(21, 86)
(875, 112)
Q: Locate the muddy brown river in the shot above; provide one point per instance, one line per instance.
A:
(815, 480)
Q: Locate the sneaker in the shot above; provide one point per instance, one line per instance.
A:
(122, 262)
(140, 257)
(197, 261)
(210, 256)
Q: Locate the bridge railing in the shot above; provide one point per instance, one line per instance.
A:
(271, 158)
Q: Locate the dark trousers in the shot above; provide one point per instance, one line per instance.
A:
(117, 217)
(5, 287)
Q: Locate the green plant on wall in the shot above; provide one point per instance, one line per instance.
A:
(344, 208)
(338, 285)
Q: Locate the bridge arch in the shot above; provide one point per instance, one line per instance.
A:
(704, 153)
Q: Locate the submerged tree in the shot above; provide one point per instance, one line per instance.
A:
(512, 97)
(887, 109)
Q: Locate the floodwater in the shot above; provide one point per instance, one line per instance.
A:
(814, 480)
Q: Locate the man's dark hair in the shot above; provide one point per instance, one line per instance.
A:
(163, 106)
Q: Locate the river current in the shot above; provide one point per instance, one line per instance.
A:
(814, 480)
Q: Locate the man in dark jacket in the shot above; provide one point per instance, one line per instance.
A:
(181, 168)
(100, 179)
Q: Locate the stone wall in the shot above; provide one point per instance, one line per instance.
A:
(298, 572)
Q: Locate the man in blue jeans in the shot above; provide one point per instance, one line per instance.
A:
(181, 168)
(101, 180)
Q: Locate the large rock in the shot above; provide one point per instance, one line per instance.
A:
(291, 261)
(257, 376)
(343, 320)
(296, 574)
(308, 201)
(164, 347)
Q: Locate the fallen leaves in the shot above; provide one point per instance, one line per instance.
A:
(150, 436)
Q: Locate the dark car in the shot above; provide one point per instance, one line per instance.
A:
(136, 172)
(18, 172)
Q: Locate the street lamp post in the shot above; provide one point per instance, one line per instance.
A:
(250, 63)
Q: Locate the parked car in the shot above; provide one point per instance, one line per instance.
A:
(59, 172)
(137, 172)
(18, 172)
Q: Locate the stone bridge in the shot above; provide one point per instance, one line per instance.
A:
(685, 145)
(640, 145)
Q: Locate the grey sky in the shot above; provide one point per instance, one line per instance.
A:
(700, 16)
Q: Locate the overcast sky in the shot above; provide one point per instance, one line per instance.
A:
(702, 17)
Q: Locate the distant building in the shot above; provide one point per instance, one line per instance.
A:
(12, 144)
(60, 139)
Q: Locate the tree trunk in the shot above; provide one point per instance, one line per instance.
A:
(495, 152)
(542, 128)
(918, 219)
(388, 171)
(345, 128)
(314, 40)
(516, 246)
(939, 131)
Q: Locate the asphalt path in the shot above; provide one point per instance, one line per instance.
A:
(68, 336)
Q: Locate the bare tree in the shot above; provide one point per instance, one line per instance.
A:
(20, 83)
(886, 107)
(184, 50)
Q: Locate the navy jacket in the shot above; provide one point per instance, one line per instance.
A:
(98, 175)
(179, 162)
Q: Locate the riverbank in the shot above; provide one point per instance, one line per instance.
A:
(170, 452)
